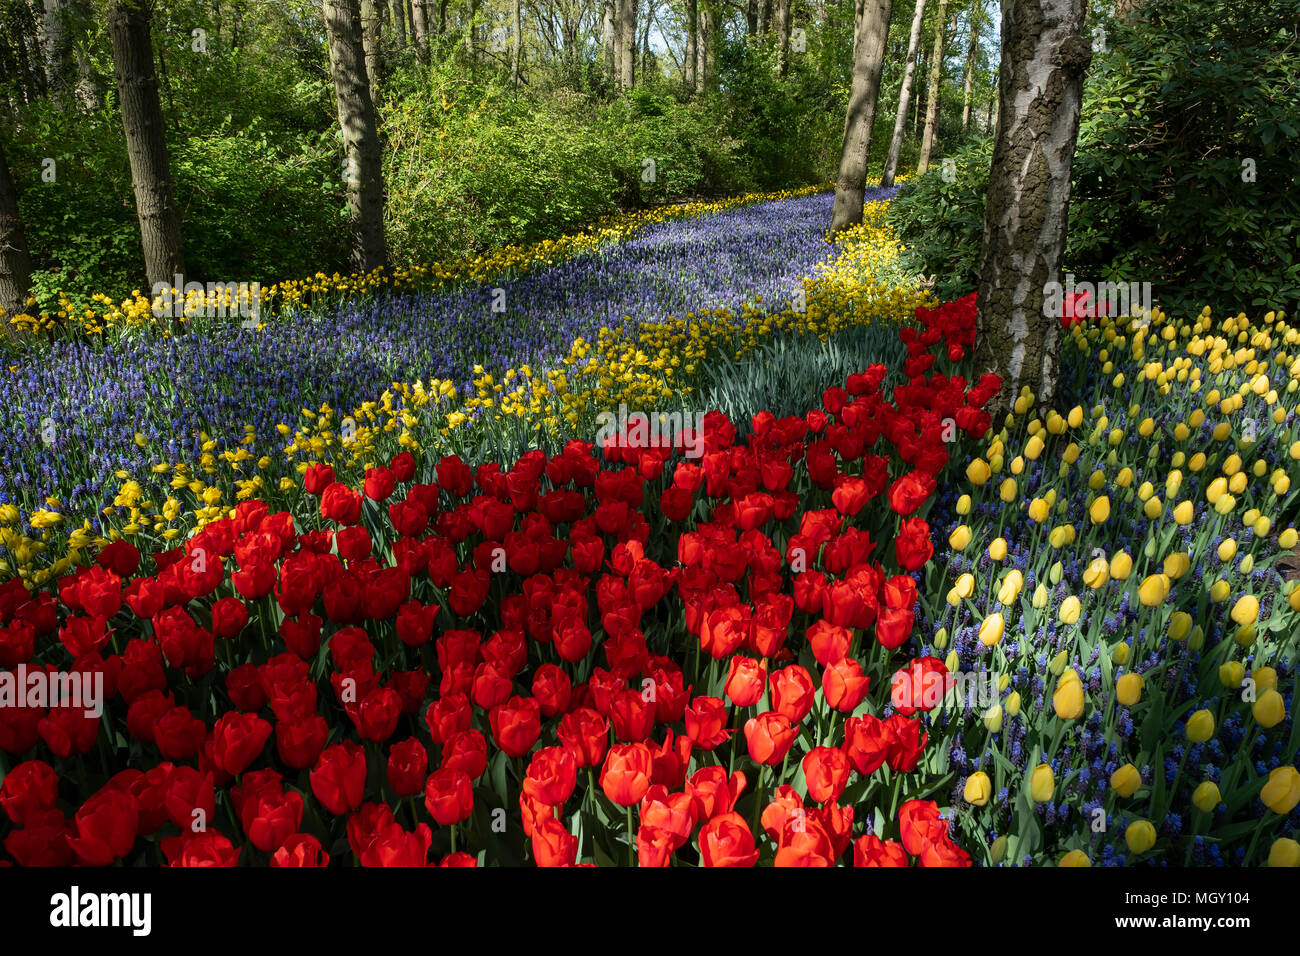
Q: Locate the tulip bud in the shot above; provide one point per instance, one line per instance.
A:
(1246, 610)
(941, 638)
(978, 789)
(1042, 783)
(1231, 674)
(1265, 678)
(1067, 700)
(1200, 726)
(1180, 623)
(963, 505)
(1281, 792)
(1121, 566)
(1269, 709)
(1154, 590)
(993, 719)
(1040, 596)
(952, 662)
(1074, 858)
(998, 850)
(991, 629)
(1099, 511)
(1248, 564)
(1126, 780)
(1054, 573)
(1206, 796)
(1284, 852)
(1119, 655)
(1070, 610)
(1012, 705)
(1128, 689)
(959, 538)
(1196, 640)
(1140, 836)
(1219, 591)
(1011, 586)
(998, 549)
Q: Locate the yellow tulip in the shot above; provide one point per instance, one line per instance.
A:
(978, 472)
(1284, 852)
(1269, 709)
(991, 629)
(1200, 726)
(1121, 566)
(978, 789)
(1126, 780)
(1206, 796)
(1154, 590)
(1078, 858)
(959, 538)
(1184, 512)
(1128, 689)
(1265, 678)
(1246, 610)
(1011, 586)
(1042, 783)
(1099, 512)
(1070, 610)
(1180, 622)
(1013, 703)
(1140, 836)
(998, 549)
(1281, 792)
(1231, 674)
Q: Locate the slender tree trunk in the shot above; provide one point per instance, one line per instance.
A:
(704, 46)
(420, 31)
(904, 94)
(869, 39)
(362, 172)
(916, 100)
(627, 49)
(371, 26)
(781, 8)
(471, 43)
(56, 46)
(934, 86)
(611, 40)
(1044, 57)
(692, 40)
(765, 20)
(398, 16)
(752, 9)
(15, 264)
(644, 46)
(146, 142)
(972, 51)
(517, 38)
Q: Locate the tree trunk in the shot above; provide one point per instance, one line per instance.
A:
(56, 47)
(692, 40)
(611, 40)
(398, 16)
(371, 26)
(146, 142)
(972, 50)
(1044, 57)
(752, 8)
(517, 38)
(932, 93)
(781, 9)
(627, 47)
(869, 38)
(703, 46)
(420, 31)
(15, 264)
(362, 171)
(904, 94)
(765, 20)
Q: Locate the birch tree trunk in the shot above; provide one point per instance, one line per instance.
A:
(904, 95)
(1044, 57)
(371, 25)
(870, 36)
(610, 36)
(363, 175)
(146, 141)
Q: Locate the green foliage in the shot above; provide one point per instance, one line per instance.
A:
(942, 223)
(1169, 116)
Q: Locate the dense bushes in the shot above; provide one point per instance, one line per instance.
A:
(1162, 190)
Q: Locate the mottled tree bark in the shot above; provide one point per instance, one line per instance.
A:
(610, 39)
(420, 31)
(398, 16)
(627, 43)
(781, 10)
(692, 33)
(146, 141)
(371, 26)
(363, 175)
(704, 45)
(15, 263)
(934, 85)
(904, 95)
(1044, 57)
(869, 38)
(752, 9)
